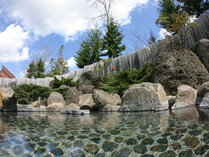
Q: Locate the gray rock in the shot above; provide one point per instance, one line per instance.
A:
(102, 98)
(54, 107)
(28, 108)
(204, 88)
(110, 108)
(144, 97)
(202, 51)
(175, 67)
(55, 97)
(35, 104)
(9, 99)
(205, 101)
(186, 97)
(86, 78)
(86, 89)
(72, 96)
(86, 101)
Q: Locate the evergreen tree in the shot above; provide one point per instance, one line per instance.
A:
(112, 40)
(36, 69)
(31, 71)
(83, 56)
(40, 69)
(90, 49)
(152, 38)
(195, 7)
(166, 9)
(95, 43)
(59, 66)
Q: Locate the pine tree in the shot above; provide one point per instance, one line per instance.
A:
(166, 9)
(112, 40)
(83, 56)
(90, 49)
(95, 43)
(152, 38)
(40, 69)
(59, 66)
(31, 71)
(195, 7)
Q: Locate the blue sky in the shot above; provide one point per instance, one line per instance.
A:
(33, 28)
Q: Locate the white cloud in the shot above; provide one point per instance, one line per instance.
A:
(12, 45)
(163, 33)
(67, 18)
(23, 74)
(71, 63)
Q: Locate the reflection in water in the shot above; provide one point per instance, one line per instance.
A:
(105, 134)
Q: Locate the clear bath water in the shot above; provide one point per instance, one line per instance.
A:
(181, 133)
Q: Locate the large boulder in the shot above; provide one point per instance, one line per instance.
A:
(205, 101)
(102, 98)
(55, 107)
(9, 99)
(144, 97)
(186, 96)
(86, 101)
(55, 97)
(202, 51)
(177, 66)
(72, 95)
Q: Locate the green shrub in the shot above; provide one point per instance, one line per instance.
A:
(29, 93)
(120, 81)
(64, 81)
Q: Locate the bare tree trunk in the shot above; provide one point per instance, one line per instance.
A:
(106, 5)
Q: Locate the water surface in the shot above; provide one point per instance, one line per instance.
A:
(181, 133)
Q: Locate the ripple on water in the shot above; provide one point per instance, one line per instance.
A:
(104, 134)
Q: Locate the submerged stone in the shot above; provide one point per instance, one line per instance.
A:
(176, 146)
(140, 148)
(162, 141)
(71, 138)
(201, 149)
(106, 136)
(114, 132)
(140, 136)
(78, 143)
(148, 141)
(187, 153)
(109, 146)
(176, 137)
(82, 136)
(131, 141)
(195, 132)
(39, 151)
(124, 152)
(100, 155)
(57, 152)
(77, 153)
(191, 141)
(118, 139)
(96, 139)
(206, 138)
(169, 153)
(159, 148)
(91, 148)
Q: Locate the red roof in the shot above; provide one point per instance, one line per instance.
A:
(5, 73)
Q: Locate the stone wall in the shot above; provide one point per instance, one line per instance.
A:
(127, 61)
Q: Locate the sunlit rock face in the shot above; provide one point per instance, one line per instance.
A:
(144, 97)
